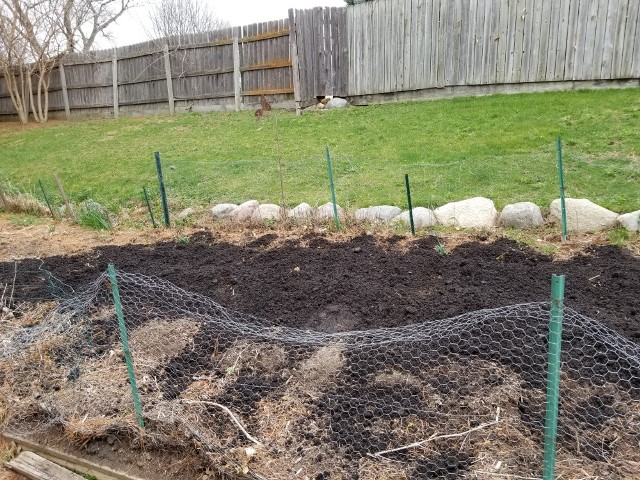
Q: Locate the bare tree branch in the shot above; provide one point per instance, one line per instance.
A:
(183, 17)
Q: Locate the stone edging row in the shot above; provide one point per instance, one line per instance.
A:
(582, 214)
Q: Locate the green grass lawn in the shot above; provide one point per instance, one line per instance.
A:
(501, 147)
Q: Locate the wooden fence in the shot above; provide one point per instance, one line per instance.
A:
(416, 47)
(389, 46)
(222, 69)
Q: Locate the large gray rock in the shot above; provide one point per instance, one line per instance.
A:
(380, 213)
(583, 215)
(244, 211)
(521, 215)
(475, 212)
(325, 211)
(223, 210)
(184, 214)
(630, 221)
(337, 103)
(302, 211)
(267, 211)
(422, 218)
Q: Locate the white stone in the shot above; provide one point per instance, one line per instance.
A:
(521, 215)
(184, 213)
(302, 211)
(422, 218)
(336, 102)
(244, 211)
(630, 221)
(475, 212)
(267, 211)
(223, 210)
(583, 215)
(325, 211)
(380, 213)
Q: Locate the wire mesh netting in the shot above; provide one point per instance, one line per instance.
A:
(454, 398)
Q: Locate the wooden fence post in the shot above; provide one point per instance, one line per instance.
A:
(65, 95)
(237, 75)
(167, 70)
(114, 74)
(293, 42)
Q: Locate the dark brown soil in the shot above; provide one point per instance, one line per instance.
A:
(362, 283)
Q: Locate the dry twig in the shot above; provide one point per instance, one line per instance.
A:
(435, 437)
(228, 412)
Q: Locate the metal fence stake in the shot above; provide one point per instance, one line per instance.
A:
(553, 376)
(333, 190)
(561, 180)
(163, 192)
(125, 345)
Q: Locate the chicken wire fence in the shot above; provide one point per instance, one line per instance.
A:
(462, 397)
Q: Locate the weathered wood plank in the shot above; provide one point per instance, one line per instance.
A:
(598, 47)
(167, 69)
(114, 76)
(631, 32)
(560, 55)
(442, 43)
(518, 50)
(609, 39)
(493, 43)
(589, 40)
(579, 40)
(435, 43)
(547, 39)
(502, 39)
(635, 56)
(35, 467)
(482, 31)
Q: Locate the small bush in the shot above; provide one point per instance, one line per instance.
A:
(93, 215)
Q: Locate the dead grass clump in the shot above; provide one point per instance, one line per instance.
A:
(14, 201)
(322, 367)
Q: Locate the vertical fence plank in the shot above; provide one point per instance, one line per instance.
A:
(563, 32)
(601, 30)
(167, 70)
(114, 75)
(547, 40)
(629, 50)
(236, 73)
(293, 46)
(579, 39)
(609, 39)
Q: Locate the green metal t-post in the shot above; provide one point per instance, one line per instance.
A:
(333, 190)
(561, 179)
(163, 193)
(125, 345)
(553, 376)
(406, 181)
(146, 197)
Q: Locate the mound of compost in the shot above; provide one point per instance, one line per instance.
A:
(363, 283)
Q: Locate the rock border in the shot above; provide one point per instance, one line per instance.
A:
(474, 213)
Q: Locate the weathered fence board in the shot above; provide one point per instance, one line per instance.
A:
(385, 46)
(200, 73)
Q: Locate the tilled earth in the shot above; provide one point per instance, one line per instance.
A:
(362, 283)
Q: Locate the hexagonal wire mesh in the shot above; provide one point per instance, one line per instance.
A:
(460, 397)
